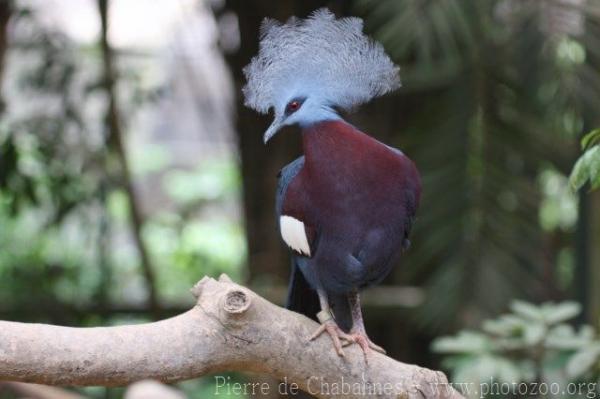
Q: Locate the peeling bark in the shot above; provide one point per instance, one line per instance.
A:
(230, 329)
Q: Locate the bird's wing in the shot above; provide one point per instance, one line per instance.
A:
(302, 298)
(285, 177)
(412, 203)
(293, 231)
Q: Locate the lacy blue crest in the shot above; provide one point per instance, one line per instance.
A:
(319, 56)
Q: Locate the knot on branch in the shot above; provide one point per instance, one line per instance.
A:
(234, 305)
(236, 301)
(230, 302)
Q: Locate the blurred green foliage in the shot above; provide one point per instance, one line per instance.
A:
(495, 93)
(530, 344)
(66, 253)
(63, 209)
(194, 389)
(558, 208)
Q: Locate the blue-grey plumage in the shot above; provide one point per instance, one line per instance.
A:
(285, 177)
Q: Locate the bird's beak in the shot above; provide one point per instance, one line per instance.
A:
(274, 128)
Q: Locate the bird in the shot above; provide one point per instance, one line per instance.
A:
(346, 207)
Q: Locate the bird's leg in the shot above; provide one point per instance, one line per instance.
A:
(358, 332)
(329, 325)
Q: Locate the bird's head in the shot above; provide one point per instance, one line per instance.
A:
(302, 110)
(306, 69)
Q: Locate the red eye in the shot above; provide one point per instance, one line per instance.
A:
(292, 106)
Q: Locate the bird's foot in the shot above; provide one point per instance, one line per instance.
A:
(364, 342)
(336, 334)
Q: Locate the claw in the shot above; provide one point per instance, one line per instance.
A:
(335, 333)
(365, 344)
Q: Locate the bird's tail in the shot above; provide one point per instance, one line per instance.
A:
(302, 298)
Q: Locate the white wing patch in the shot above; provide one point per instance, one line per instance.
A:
(294, 234)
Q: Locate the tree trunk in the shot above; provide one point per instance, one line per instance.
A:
(5, 12)
(116, 140)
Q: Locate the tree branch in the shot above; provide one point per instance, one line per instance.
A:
(230, 329)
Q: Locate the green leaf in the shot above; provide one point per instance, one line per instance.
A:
(578, 175)
(582, 361)
(586, 168)
(464, 342)
(485, 368)
(564, 337)
(596, 183)
(565, 343)
(504, 326)
(594, 163)
(590, 139)
(534, 333)
(561, 312)
(527, 310)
